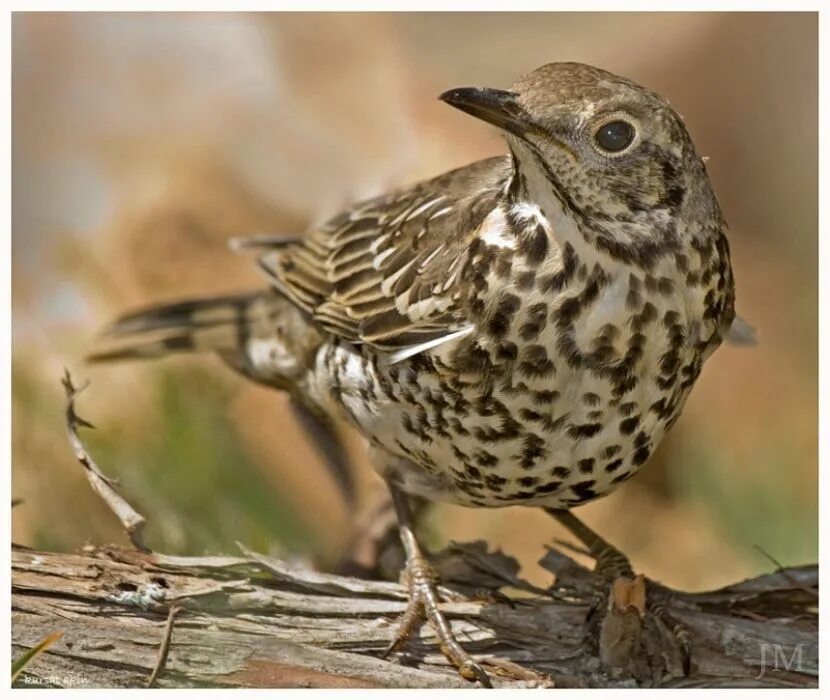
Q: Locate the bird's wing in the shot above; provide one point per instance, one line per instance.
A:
(386, 272)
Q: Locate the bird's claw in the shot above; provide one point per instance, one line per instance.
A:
(422, 584)
(472, 671)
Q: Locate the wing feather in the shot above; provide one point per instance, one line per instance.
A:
(386, 272)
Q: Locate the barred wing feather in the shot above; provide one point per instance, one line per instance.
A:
(387, 272)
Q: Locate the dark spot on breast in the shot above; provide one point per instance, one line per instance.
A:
(534, 246)
(640, 456)
(528, 415)
(584, 490)
(648, 313)
(666, 383)
(485, 459)
(610, 451)
(494, 482)
(536, 320)
(545, 396)
(628, 408)
(586, 466)
(535, 362)
(498, 325)
(659, 407)
(524, 282)
(591, 399)
(611, 467)
(503, 266)
(585, 430)
(507, 351)
(625, 385)
(629, 425)
(556, 282)
(532, 450)
(549, 487)
(472, 472)
(460, 455)
(665, 286)
(509, 303)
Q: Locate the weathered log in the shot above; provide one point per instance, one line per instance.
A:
(252, 621)
(132, 617)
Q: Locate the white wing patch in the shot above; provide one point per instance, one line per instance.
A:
(409, 351)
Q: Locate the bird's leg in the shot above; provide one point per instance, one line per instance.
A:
(375, 547)
(611, 563)
(422, 583)
(625, 600)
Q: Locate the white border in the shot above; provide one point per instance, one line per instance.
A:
(423, 5)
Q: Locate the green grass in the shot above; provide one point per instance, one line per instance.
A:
(762, 509)
(193, 479)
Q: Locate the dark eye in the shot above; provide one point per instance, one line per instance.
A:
(615, 136)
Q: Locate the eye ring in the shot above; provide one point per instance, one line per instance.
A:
(614, 136)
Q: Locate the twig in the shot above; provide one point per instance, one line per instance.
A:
(132, 521)
(810, 591)
(164, 649)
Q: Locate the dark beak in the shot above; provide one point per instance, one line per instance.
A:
(498, 107)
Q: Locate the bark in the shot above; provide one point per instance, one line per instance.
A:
(252, 621)
(132, 617)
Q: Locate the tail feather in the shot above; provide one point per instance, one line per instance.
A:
(260, 334)
(190, 313)
(223, 324)
(146, 349)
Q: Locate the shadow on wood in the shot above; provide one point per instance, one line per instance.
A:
(252, 621)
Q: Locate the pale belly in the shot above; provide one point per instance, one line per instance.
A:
(556, 439)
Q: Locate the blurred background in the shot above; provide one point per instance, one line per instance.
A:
(142, 142)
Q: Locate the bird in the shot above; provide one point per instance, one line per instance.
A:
(522, 330)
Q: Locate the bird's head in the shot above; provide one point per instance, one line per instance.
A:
(610, 155)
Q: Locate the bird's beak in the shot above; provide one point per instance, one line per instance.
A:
(498, 107)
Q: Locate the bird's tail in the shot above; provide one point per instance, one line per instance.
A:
(260, 334)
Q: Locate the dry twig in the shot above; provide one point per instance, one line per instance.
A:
(132, 521)
(164, 649)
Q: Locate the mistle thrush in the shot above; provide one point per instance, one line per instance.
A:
(519, 331)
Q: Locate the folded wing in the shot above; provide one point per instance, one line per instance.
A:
(386, 272)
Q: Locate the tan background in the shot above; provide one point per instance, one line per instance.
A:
(142, 142)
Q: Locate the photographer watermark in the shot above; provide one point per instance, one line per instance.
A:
(58, 680)
(777, 657)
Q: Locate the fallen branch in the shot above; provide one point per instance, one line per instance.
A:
(253, 621)
(240, 626)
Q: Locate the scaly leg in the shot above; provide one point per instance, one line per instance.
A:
(611, 562)
(422, 581)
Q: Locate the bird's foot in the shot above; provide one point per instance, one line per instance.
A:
(422, 584)
(634, 630)
(637, 633)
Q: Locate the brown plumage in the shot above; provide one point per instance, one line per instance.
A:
(365, 273)
(522, 330)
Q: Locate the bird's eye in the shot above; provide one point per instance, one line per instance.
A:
(615, 136)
